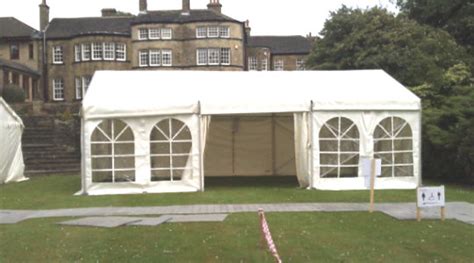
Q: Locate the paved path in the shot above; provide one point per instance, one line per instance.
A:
(461, 211)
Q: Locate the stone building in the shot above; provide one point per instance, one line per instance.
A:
(20, 57)
(185, 39)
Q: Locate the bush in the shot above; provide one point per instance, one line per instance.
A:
(13, 94)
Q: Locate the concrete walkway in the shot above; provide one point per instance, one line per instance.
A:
(461, 211)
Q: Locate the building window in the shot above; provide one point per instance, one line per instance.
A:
(113, 152)
(224, 32)
(86, 52)
(213, 31)
(167, 57)
(120, 52)
(393, 143)
(253, 65)
(31, 51)
(225, 56)
(58, 55)
(264, 64)
(166, 33)
(339, 148)
(202, 56)
(300, 64)
(143, 33)
(78, 84)
(97, 51)
(15, 78)
(15, 51)
(201, 32)
(143, 58)
(170, 150)
(77, 53)
(109, 51)
(154, 33)
(213, 58)
(155, 57)
(279, 65)
(58, 89)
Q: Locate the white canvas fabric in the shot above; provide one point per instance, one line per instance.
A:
(263, 123)
(11, 156)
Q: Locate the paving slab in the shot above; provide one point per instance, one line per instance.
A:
(197, 218)
(151, 221)
(107, 221)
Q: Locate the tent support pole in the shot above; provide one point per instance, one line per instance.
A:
(201, 152)
(311, 148)
(273, 146)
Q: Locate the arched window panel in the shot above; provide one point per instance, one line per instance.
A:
(113, 152)
(393, 143)
(339, 148)
(170, 150)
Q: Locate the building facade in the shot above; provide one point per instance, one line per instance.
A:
(186, 39)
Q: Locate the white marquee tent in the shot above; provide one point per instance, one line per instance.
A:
(11, 155)
(164, 131)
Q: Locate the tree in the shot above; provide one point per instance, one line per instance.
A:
(454, 16)
(427, 60)
(376, 39)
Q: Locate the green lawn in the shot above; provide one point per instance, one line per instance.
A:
(300, 237)
(57, 192)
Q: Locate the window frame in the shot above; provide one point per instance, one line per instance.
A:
(253, 63)
(204, 53)
(201, 32)
(78, 88)
(166, 33)
(86, 49)
(225, 51)
(151, 53)
(77, 53)
(225, 29)
(108, 47)
(58, 89)
(143, 34)
(166, 52)
(119, 51)
(96, 48)
(141, 54)
(276, 66)
(211, 59)
(58, 55)
(210, 29)
(14, 51)
(154, 33)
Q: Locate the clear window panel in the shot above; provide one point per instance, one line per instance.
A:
(124, 176)
(160, 175)
(101, 149)
(160, 148)
(346, 172)
(102, 177)
(101, 163)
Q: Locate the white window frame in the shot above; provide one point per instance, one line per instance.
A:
(96, 48)
(79, 88)
(151, 54)
(58, 89)
(279, 65)
(143, 34)
(211, 60)
(142, 54)
(224, 32)
(58, 55)
(86, 52)
(154, 33)
(166, 33)
(165, 54)
(201, 32)
(253, 64)
(77, 53)
(224, 54)
(213, 32)
(264, 64)
(201, 54)
(300, 65)
(118, 50)
(108, 52)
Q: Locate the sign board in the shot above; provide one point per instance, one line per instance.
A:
(430, 196)
(366, 164)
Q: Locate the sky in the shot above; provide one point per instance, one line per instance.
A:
(267, 17)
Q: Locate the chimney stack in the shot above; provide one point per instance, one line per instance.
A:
(44, 15)
(142, 7)
(109, 12)
(186, 7)
(247, 28)
(215, 6)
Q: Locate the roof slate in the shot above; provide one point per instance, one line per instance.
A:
(11, 27)
(282, 45)
(73, 27)
(177, 16)
(17, 66)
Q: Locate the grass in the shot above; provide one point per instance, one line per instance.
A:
(300, 237)
(57, 192)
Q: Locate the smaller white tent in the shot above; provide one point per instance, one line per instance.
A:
(12, 166)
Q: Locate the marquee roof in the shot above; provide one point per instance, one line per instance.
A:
(147, 93)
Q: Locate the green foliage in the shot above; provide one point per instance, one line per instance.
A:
(454, 16)
(427, 59)
(13, 94)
